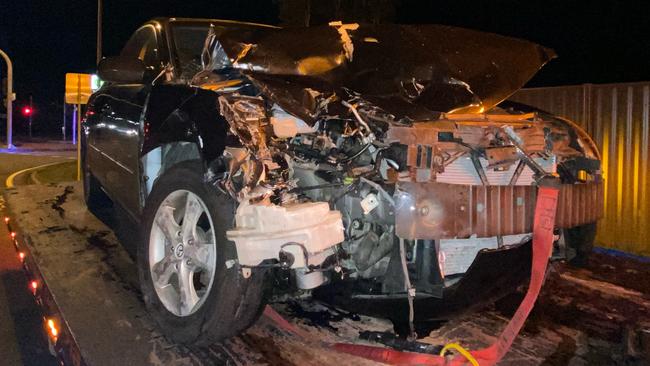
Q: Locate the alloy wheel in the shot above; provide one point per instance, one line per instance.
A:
(182, 252)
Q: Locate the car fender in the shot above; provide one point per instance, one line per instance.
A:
(181, 123)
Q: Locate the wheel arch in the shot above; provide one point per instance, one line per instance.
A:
(181, 123)
(159, 160)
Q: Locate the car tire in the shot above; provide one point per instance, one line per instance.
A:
(581, 239)
(229, 302)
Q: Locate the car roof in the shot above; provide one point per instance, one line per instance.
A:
(221, 22)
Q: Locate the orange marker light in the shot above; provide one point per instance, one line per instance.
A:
(13, 235)
(33, 285)
(6, 219)
(52, 327)
(21, 255)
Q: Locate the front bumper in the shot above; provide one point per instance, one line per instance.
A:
(493, 274)
(445, 211)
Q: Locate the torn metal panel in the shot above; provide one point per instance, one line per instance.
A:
(448, 211)
(346, 41)
(456, 135)
(247, 119)
(431, 68)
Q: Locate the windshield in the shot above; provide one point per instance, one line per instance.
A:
(189, 41)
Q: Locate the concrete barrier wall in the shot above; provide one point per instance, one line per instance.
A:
(617, 117)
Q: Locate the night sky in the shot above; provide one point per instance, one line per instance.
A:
(597, 41)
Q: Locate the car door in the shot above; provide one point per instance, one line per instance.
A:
(114, 141)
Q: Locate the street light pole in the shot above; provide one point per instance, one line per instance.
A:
(10, 96)
(99, 30)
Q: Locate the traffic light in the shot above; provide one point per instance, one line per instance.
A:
(27, 111)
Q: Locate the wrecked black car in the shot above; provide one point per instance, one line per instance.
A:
(371, 163)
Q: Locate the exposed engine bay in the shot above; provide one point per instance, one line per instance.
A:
(397, 185)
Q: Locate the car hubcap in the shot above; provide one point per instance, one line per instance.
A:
(182, 252)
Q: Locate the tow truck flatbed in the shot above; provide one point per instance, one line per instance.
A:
(87, 286)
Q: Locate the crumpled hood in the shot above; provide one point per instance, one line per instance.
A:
(410, 71)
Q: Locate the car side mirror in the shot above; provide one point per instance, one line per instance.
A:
(121, 69)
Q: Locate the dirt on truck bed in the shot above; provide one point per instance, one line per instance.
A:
(598, 315)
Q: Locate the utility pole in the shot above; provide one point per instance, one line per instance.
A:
(10, 97)
(74, 124)
(99, 30)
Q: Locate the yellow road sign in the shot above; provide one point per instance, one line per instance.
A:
(78, 88)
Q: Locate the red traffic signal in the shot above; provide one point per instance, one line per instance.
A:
(27, 111)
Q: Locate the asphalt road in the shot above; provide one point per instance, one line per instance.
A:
(22, 341)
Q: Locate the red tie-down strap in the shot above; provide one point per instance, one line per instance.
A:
(542, 248)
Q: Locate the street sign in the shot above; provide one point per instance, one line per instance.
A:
(78, 88)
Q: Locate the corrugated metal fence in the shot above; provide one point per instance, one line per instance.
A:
(617, 117)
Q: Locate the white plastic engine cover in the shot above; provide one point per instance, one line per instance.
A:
(262, 229)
